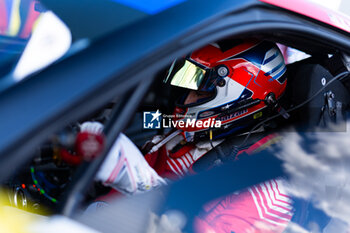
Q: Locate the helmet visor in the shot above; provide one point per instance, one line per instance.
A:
(185, 74)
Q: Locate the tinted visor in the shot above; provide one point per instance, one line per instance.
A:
(188, 75)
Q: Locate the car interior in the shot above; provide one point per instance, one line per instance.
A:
(41, 184)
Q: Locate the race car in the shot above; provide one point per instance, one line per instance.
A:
(112, 72)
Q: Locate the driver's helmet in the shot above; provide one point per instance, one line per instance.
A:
(229, 82)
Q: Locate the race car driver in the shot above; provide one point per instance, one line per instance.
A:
(236, 83)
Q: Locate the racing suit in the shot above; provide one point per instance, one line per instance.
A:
(264, 207)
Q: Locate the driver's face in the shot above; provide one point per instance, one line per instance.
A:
(194, 96)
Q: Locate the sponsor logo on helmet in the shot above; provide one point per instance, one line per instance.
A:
(206, 114)
(233, 115)
(257, 115)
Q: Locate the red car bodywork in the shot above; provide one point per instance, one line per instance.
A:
(314, 11)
